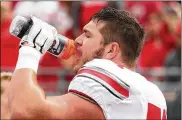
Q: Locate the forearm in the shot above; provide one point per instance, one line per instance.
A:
(24, 92)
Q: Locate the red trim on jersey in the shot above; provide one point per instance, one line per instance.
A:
(154, 112)
(164, 117)
(108, 80)
(82, 94)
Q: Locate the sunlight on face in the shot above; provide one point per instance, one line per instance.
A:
(89, 45)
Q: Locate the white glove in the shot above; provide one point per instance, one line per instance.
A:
(40, 36)
(34, 43)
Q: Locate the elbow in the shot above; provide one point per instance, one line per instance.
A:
(19, 114)
(18, 111)
(25, 112)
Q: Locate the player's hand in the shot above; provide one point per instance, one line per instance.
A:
(40, 36)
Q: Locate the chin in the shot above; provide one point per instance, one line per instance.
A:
(76, 68)
(78, 65)
(80, 62)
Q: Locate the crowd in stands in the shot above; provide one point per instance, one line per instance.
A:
(161, 21)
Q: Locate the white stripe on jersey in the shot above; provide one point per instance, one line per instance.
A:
(111, 75)
(103, 83)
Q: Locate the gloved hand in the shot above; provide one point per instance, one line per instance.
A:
(40, 36)
(34, 44)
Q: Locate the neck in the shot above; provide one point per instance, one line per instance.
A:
(132, 68)
(122, 64)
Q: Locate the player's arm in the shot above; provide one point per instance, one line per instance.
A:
(27, 99)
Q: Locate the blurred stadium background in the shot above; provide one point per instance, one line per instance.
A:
(159, 62)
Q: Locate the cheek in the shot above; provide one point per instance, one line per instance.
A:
(89, 50)
(89, 45)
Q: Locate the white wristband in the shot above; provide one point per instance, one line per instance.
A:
(28, 58)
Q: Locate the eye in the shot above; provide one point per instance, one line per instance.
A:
(88, 36)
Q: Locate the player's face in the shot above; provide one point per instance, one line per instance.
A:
(89, 44)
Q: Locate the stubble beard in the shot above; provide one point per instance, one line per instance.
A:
(96, 55)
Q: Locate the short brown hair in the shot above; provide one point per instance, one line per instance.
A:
(122, 28)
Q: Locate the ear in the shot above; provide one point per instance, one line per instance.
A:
(111, 50)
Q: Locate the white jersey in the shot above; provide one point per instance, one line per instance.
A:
(120, 92)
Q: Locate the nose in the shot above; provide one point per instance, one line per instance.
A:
(78, 41)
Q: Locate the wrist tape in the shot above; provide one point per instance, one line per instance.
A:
(28, 58)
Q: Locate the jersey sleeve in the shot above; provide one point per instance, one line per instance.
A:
(87, 87)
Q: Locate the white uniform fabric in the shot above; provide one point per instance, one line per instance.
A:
(127, 95)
